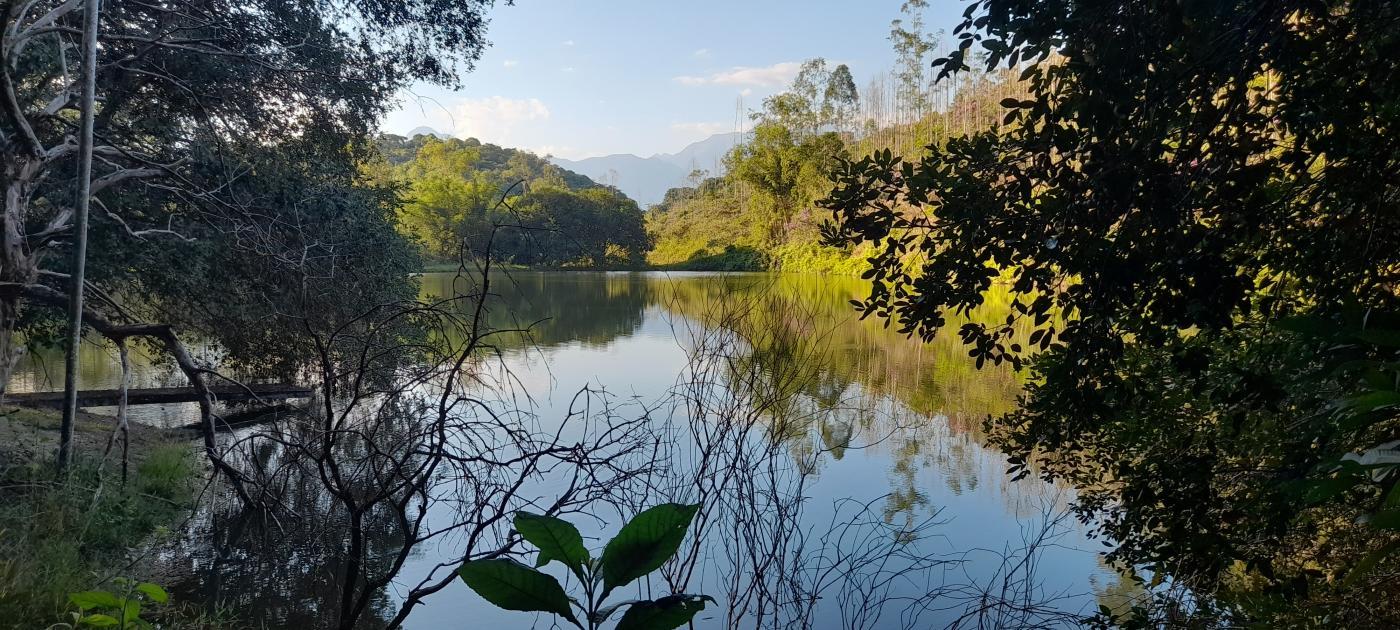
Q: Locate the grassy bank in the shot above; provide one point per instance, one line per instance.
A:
(451, 266)
(802, 257)
(787, 258)
(60, 536)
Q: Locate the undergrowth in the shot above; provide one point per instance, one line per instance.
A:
(63, 536)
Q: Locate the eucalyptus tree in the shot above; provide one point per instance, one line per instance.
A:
(840, 99)
(912, 47)
(1181, 179)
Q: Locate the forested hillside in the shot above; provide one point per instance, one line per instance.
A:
(763, 211)
(465, 193)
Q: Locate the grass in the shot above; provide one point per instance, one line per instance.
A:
(796, 257)
(60, 536)
(731, 258)
(806, 257)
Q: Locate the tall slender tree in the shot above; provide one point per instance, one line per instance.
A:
(92, 10)
(840, 100)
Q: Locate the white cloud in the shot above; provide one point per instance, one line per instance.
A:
(493, 118)
(702, 128)
(567, 69)
(510, 63)
(703, 53)
(776, 75)
(567, 42)
(746, 92)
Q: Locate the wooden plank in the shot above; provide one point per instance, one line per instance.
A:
(164, 395)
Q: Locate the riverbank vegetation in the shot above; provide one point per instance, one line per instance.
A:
(228, 207)
(61, 536)
(1207, 194)
(1171, 227)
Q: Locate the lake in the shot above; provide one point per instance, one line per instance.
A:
(864, 477)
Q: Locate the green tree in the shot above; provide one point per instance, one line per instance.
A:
(840, 100)
(912, 47)
(1180, 178)
(447, 197)
(460, 193)
(193, 95)
(596, 227)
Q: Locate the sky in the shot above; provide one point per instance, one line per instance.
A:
(579, 78)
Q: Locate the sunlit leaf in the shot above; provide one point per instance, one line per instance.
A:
(94, 599)
(154, 592)
(98, 621)
(556, 539)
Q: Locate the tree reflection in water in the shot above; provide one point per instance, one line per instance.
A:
(780, 382)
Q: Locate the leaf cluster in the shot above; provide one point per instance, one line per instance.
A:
(642, 546)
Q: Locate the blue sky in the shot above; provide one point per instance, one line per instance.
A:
(578, 78)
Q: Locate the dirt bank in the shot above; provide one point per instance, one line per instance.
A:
(30, 434)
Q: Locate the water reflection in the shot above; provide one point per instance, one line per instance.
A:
(551, 309)
(825, 419)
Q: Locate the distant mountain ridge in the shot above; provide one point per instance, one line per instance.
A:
(646, 180)
(491, 158)
(427, 131)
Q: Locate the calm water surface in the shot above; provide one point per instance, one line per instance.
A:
(890, 432)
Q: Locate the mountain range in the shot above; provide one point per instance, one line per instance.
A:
(646, 180)
(427, 131)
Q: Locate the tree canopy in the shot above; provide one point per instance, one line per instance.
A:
(1182, 183)
(465, 193)
(225, 132)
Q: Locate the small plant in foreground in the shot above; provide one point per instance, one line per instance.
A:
(643, 545)
(122, 609)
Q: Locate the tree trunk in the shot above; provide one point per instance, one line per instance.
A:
(15, 266)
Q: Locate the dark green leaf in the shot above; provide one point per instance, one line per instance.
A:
(645, 543)
(1385, 519)
(1369, 562)
(514, 586)
(1308, 325)
(666, 613)
(1371, 401)
(607, 611)
(1381, 337)
(1323, 489)
(557, 540)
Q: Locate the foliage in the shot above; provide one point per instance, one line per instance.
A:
(767, 196)
(227, 136)
(597, 227)
(462, 192)
(766, 201)
(1179, 178)
(642, 546)
(122, 609)
(275, 280)
(58, 534)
